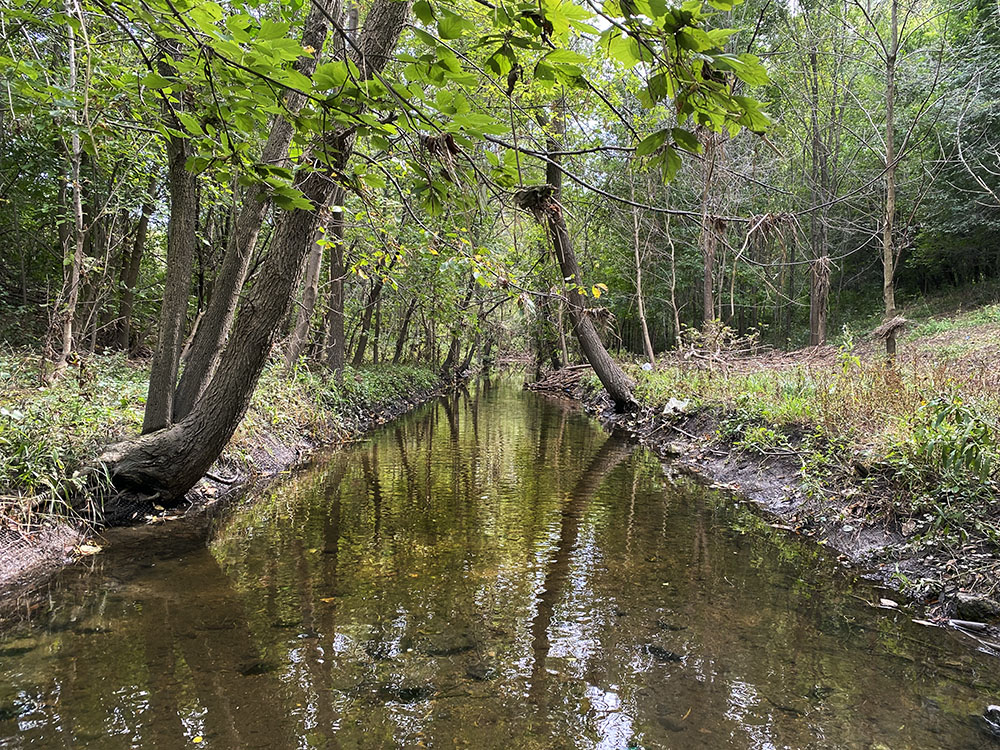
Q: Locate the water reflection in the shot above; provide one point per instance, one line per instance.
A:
(491, 572)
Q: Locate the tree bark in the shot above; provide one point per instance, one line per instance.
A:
(820, 280)
(310, 290)
(819, 294)
(207, 345)
(181, 241)
(403, 330)
(366, 321)
(708, 236)
(540, 200)
(336, 346)
(543, 202)
(70, 294)
(647, 344)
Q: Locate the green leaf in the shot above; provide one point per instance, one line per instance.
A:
(686, 139)
(156, 81)
(651, 142)
(423, 10)
(331, 75)
(672, 164)
(452, 26)
(273, 29)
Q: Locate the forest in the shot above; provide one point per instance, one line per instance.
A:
(499, 373)
(197, 195)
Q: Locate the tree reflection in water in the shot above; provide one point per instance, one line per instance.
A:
(490, 572)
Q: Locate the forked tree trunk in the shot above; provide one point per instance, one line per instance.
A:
(366, 321)
(207, 345)
(167, 463)
(403, 331)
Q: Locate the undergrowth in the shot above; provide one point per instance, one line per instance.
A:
(48, 433)
(921, 441)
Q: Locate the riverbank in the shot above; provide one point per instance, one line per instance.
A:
(47, 434)
(894, 468)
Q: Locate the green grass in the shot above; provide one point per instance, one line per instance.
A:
(47, 433)
(928, 436)
(983, 316)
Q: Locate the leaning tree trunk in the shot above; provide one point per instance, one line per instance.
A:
(167, 463)
(209, 340)
(543, 202)
(540, 201)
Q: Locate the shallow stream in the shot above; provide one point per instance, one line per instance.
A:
(492, 571)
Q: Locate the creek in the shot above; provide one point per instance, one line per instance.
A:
(491, 571)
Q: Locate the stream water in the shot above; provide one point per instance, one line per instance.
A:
(492, 571)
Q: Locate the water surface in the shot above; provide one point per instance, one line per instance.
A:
(493, 571)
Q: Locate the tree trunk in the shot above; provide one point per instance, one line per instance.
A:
(543, 202)
(377, 333)
(336, 346)
(181, 250)
(888, 249)
(647, 344)
(167, 463)
(540, 200)
(207, 345)
(310, 290)
(130, 275)
(70, 294)
(819, 293)
(708, 237)
(819, 290)
(403, 329)
(366, 321)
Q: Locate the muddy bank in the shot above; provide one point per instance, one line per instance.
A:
(29, 557)
(843, 518)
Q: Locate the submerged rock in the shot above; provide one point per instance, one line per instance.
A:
(978, 608)
(661, 654)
